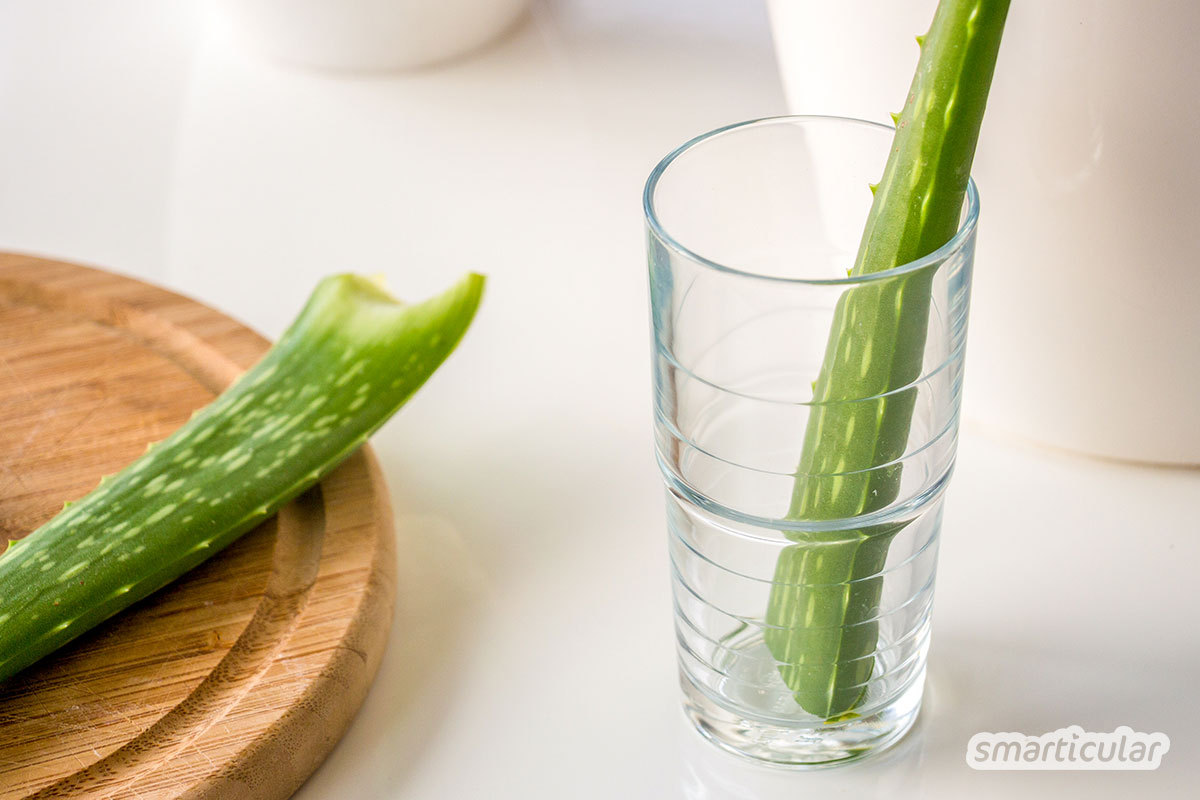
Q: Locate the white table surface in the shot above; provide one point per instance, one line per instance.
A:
(532, 650)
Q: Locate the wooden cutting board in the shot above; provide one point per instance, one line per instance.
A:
(235, 681)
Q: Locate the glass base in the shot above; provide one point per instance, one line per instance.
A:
(802, 747)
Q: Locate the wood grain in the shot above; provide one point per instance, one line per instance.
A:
(235, 681)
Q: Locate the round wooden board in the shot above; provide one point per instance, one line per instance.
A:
(235, 681)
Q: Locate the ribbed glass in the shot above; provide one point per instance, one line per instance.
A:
(752, 230)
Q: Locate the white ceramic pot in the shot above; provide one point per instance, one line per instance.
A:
(368, 34)
(1085, 322)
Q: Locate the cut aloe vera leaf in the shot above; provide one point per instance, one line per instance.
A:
(875, 350)
(350, 360)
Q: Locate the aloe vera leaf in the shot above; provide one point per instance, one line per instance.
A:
(821, 613)
(345, 365)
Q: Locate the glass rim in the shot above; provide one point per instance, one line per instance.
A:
(965, 230)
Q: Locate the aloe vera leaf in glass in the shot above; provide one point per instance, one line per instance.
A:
(821, 626)
(348, 362)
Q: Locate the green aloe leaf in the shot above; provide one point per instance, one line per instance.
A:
(349, 361)
(825, 597)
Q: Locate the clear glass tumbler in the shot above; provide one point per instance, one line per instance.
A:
(802, 634)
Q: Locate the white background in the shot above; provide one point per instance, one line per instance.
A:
(532, 652)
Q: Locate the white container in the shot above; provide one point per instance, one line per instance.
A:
(1085, 322)
(368, 35)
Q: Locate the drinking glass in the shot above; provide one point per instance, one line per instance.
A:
(802, 637)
